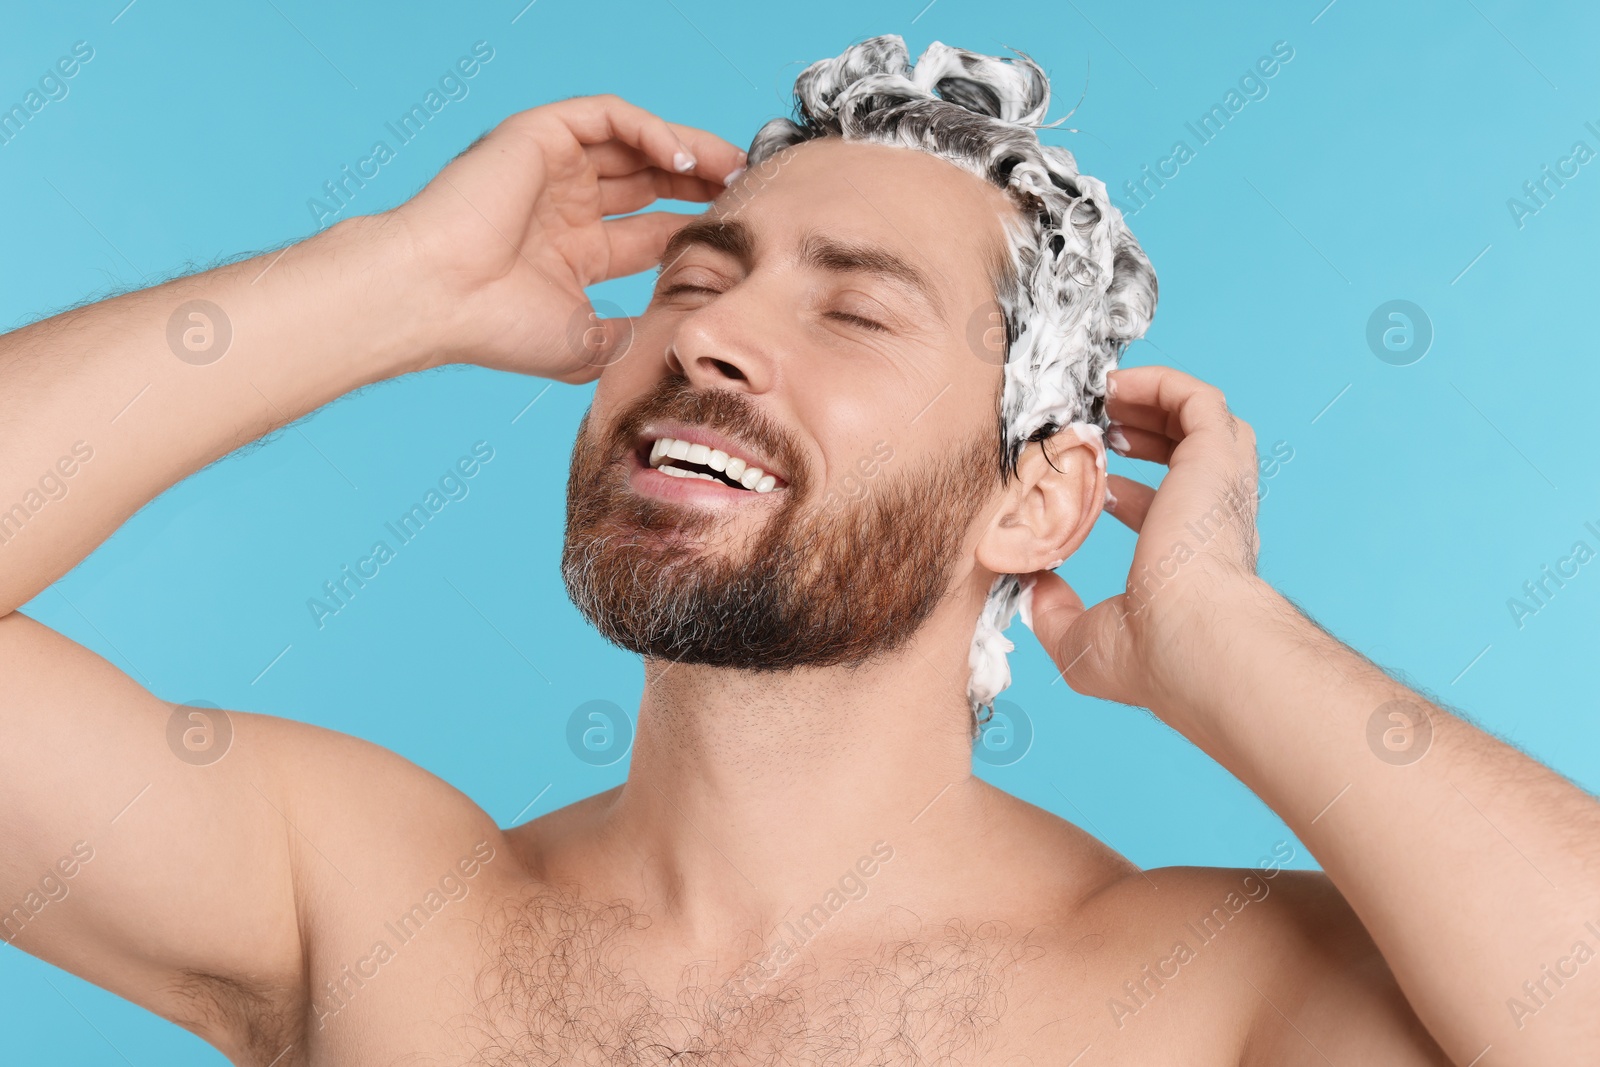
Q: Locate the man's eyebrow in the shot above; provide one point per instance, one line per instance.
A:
(727, 235)
(828, 253)
(817, 250)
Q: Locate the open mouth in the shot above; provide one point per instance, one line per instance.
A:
(679, 458)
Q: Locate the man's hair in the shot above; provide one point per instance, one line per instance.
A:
(1075, 288)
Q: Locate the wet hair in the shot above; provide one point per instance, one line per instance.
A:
(1074, 288)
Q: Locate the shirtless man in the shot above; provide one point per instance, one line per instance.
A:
(801, 867)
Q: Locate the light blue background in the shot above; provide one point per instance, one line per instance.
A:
(1378, 167)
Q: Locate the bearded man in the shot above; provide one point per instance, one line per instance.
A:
(801, 867)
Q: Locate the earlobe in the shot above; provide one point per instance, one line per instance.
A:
(1051, 504)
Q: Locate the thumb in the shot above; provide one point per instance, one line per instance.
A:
(594, 343)
(1084, 643)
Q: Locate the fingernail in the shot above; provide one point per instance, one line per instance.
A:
(1111, 501)
(1117, 439)
(733, 176)
(1111, 388)
(683, 162)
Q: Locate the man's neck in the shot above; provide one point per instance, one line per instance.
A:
(749, 792)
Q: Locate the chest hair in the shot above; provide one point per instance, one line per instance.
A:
(558, 989)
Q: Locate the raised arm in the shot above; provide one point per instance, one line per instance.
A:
(1475, 869)
(128, 854)
(103, 408)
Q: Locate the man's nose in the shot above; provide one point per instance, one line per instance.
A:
(726, 344)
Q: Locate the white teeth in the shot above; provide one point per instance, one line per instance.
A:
(665, 449)
(679, 472)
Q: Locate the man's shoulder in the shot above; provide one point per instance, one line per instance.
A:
(1286, 951)
(1286, 911)
(360, 812)
(1265, 953)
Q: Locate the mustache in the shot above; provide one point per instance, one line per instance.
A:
(722, 410)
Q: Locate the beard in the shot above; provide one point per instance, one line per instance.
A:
(819, 584)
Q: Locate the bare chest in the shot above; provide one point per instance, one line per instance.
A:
(570, 982)
(553, 979)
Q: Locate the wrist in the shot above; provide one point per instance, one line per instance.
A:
(385, 303)
(1206, 646)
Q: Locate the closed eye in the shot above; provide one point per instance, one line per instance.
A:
(859, 321)
(845, 316)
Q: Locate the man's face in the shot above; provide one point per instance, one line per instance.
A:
(818, 330)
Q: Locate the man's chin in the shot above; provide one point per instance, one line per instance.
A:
(678, 532)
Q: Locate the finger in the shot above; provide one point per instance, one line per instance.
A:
(1197, 404)
(717, 158)
(676, 149)
(1136, 443)
(1081, 642)
(615, 159)
(618, 196)
(1196, 414)
(1130, 501)
(1054, 606)
(637, 241)
(1145, 417)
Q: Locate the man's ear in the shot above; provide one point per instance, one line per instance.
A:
(1051, 504)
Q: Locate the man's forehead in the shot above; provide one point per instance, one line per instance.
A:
(903, 215)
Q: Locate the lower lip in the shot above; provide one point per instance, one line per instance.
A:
(651, 482)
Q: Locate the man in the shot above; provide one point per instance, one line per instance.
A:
(801, 867)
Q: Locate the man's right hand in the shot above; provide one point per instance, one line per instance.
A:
(514, 228)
